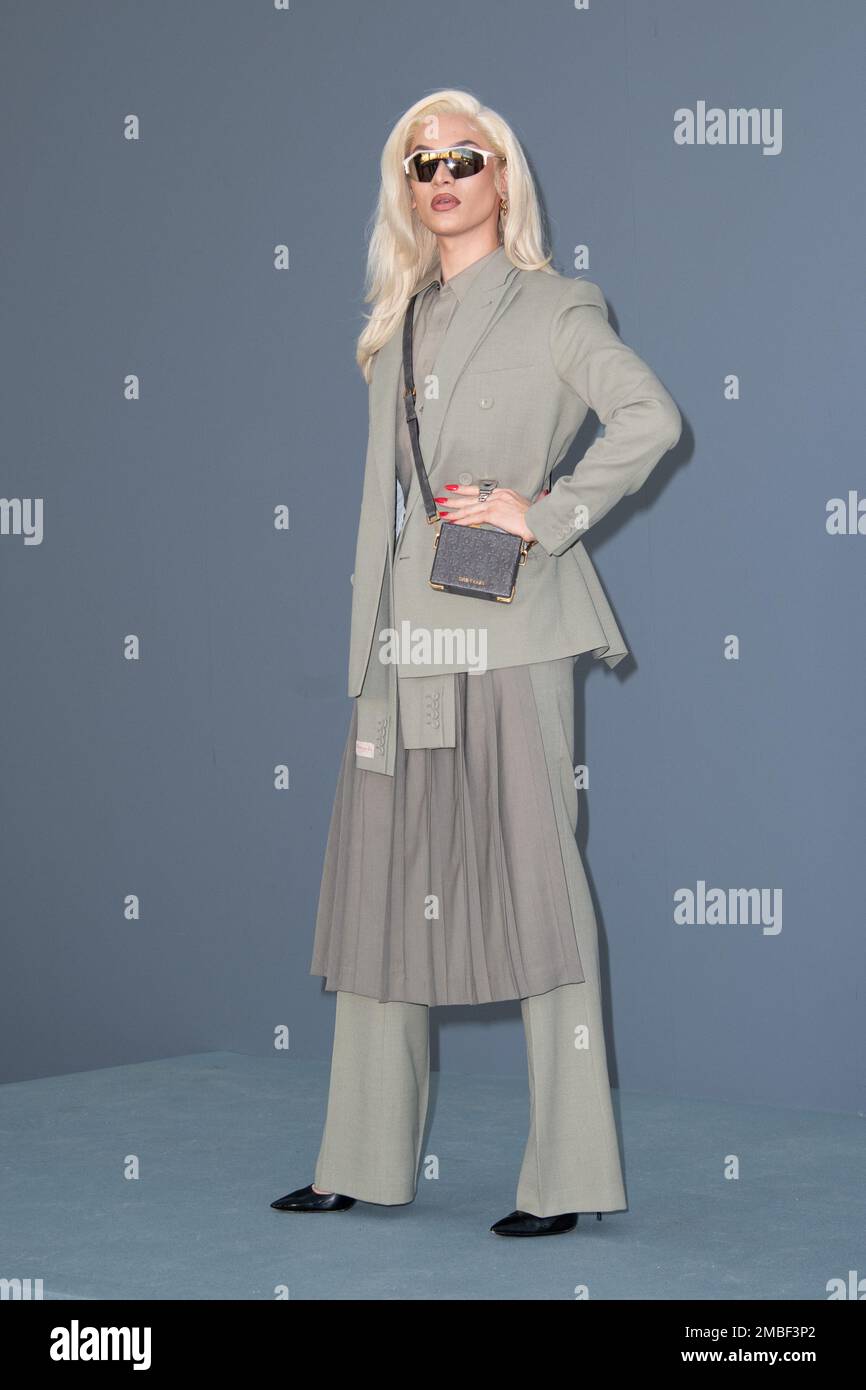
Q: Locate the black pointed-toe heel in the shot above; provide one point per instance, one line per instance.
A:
(305, 1199)
(523, 1223)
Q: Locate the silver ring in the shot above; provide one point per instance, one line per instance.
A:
(485, 487)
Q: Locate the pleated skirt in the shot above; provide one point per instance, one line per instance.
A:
(448, 883)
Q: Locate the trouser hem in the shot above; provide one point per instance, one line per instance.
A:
(361, 1193)
(559, 1206)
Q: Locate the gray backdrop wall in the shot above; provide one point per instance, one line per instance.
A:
(733, 764)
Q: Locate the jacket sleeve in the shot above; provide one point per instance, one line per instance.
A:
(641, 421)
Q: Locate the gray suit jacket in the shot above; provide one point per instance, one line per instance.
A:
(526, 355)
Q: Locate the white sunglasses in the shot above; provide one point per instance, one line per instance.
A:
(462, 162)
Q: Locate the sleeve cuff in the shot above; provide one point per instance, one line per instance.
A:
(554, 535)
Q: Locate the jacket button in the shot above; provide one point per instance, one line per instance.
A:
(486, 402)
(464, 478)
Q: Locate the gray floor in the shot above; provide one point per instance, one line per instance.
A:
(218, 1136)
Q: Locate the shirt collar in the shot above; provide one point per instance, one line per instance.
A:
(459, 283)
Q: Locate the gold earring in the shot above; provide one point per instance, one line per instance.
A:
(503, 206)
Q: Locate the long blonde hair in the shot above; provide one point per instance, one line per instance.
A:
(402, 251)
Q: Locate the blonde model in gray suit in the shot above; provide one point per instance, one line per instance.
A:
(452, 873)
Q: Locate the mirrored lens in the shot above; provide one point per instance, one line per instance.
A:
(462, 163)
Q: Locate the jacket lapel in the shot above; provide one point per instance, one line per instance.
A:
(383, 419)
(487, 298)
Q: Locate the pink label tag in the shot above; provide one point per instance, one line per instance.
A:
(364, 750)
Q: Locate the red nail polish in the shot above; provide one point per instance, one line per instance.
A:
(452, 487)
(440, 499)
(443, 513)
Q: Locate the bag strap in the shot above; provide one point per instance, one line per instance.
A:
(411, 418)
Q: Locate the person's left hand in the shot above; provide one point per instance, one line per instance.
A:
(504, 507)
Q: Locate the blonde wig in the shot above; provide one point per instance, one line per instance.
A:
(403, 252)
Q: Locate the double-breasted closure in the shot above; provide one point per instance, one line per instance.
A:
(526, 355)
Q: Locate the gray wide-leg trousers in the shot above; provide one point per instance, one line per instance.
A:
(377, 1104)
